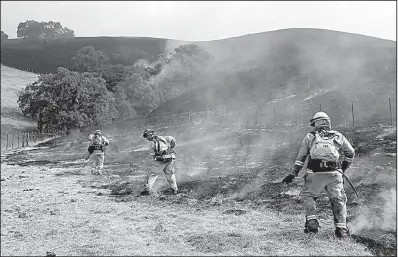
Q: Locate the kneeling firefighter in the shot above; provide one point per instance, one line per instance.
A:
(330, 155)
(162, 149)
(97, 150)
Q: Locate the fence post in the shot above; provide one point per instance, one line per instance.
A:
(7, 142)
(227, 113)
(12, 143)
(18, 140)
(352, 110)
(389, 101)
(274, 115)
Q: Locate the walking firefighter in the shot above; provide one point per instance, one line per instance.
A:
(96, 151)
(162, 151)
(330, 155)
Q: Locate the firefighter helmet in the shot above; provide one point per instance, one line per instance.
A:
(319, 116)
(97, 132)
(147, 133)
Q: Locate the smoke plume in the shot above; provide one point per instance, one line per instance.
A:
(385, 218)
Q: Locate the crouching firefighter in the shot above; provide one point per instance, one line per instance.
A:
(162, 151)
(330, 155)
(97, 150)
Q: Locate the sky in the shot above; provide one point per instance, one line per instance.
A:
(203, 20)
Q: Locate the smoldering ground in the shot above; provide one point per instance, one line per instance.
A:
(382, 217)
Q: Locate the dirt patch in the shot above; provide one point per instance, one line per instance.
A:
(125, 188)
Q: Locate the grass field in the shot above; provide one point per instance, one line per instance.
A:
(229, 203)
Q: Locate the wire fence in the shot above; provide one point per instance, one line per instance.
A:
(15, 139)
(273, 115)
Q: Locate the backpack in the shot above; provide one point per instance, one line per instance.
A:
(171, 142)
(97, 140)
(163, 144)
(325, 147)
(96, 144)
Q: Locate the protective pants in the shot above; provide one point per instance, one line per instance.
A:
(98, 162)
(155, 168)
(332, 182)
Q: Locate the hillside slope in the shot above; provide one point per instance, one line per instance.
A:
(45, 57)
(306, 67)
(13, 80)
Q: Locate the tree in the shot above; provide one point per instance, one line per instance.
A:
(139, 91)
(114, 74)
(4, 36)
(190, 54)
(88, 59)
(182, 66)
(29, 29)
(54, 30)
(50, 30)
(123, 106)
(67, 99)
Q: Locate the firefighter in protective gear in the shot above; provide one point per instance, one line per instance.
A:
(163, 153)
(330, 155)
(97, 151)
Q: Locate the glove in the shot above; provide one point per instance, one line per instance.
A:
(159, 158)
(288, 179)
(345, 165)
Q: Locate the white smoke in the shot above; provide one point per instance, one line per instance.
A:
(387, 221)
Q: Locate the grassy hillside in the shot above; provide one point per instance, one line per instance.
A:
(46, 56)
(297, 70)
(13, 80)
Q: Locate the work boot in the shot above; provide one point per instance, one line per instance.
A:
(311, 226)
(342, 232)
